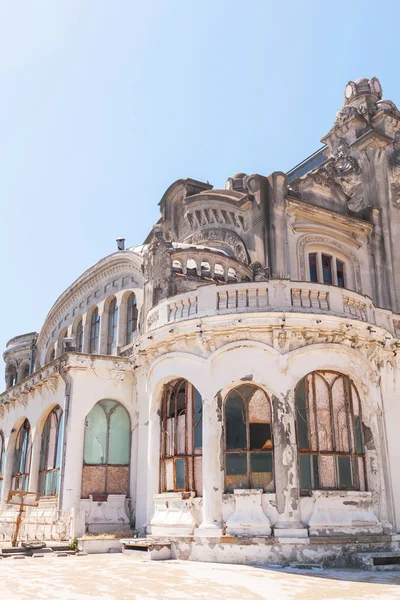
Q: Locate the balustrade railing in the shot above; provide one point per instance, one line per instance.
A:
(273, 295)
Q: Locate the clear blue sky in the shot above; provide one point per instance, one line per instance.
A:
(105, 103)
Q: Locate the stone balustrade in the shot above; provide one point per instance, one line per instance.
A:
(273, 295)
(210, 263)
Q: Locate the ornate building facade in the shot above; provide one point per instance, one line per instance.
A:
(232, 385)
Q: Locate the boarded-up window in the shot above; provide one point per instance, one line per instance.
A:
(248, 439)
(329, 433)
(181, 438)
(107, 450)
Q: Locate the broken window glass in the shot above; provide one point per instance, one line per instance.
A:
(180, 474)
(236, 471)
(261, 469)
(329, 423)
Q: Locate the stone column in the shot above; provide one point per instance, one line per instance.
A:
(153, 460)
(213, 471)
(286, 471)
(35, 462)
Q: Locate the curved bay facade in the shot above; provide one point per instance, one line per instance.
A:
(232, 384)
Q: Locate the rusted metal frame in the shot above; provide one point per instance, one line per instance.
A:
(350, 431)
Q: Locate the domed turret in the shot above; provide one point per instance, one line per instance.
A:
(17, 357)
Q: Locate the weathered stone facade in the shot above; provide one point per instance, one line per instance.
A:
(232, 384)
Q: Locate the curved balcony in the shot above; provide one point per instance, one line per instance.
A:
(209, 263)
(280, 295)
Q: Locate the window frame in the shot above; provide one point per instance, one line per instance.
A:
(18, 475)
(131, 318)
(79, 336)
(106, 465)
(57, 414)
(354, 456)
(192, 453)
(94, 332)
(112, 326)
(248, 451)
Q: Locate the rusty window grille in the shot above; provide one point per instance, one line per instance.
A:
(22, 458)
(2, 459)
(112, 326)
(329, 433)
(181, 438)
(50, 453)
(79, 337)
(106, 451)
(132, 318)
(94, 331)
(248, 439)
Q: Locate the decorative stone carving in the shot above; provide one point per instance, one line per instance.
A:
(259, 273)
(226, 237)
(248, 518)
(345, 170)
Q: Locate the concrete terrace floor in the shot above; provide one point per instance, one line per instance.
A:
(110, 576)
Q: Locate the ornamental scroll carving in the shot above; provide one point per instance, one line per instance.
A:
(312, 239)
(224, 236)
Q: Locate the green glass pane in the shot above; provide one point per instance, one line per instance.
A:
(344, 468)
(119, 440)
(198, 420)
(59, 441)
(315, 465)
(180, 474)
(236, 471)
(305, 472)
(95, 437)
(235, 422)
(108, 405)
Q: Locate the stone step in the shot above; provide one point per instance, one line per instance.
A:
(147, 548)
(376, 561)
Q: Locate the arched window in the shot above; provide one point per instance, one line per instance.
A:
(24, 370)
(205, 268)
(329, 433)
(232, 277)
(79, 337)
(132, 317)
(22, 458)
(50, 453)
(107, 450)
(94, 331)
(181, 438)
(112, 326)
(2, 459)
(248, 439)
(177, 266)
(219, 272)
(11, 375)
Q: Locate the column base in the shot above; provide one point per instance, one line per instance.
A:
(208, 530)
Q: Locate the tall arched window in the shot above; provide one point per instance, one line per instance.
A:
(22, 458)
(79, 337)
(94, 331)
(248, 439)
(2, 459)
(112, 326)
(329, 433)
(107, 450)
(132, 317)
(181, 438)
(50, 454)
(11, 375)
